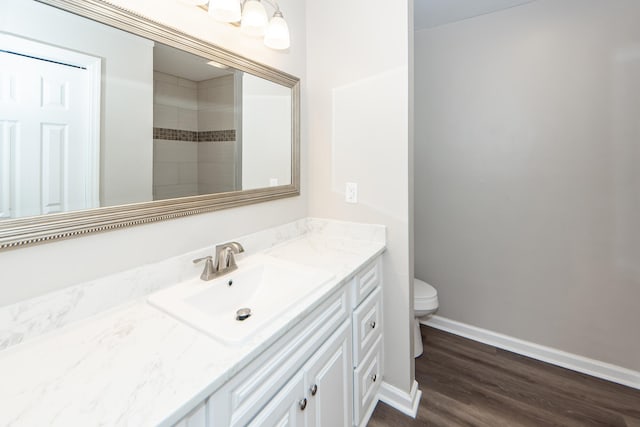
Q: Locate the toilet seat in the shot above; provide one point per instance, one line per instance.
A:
(425, 296)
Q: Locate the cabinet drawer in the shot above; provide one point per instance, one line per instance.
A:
(366, 281)
(367, 325)
(366, 381)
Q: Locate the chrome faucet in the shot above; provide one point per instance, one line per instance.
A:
(225, 260)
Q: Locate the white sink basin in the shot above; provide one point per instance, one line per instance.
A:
(265, 285)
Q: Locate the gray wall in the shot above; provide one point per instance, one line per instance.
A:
(527, 173)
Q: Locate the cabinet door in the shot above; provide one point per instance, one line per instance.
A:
(196, 418)
(328, 382)
(287, 408)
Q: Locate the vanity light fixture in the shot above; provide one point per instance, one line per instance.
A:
(253, 20)
(225, 10)
(276, 35)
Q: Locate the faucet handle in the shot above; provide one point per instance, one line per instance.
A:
(225, 255)
(209, 271)
(226, 260)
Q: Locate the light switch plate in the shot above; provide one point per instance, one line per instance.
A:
(351, 192)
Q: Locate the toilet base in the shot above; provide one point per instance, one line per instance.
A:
(418, 347)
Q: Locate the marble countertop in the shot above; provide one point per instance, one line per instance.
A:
(134, 365)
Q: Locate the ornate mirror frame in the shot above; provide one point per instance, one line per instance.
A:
(31, 230)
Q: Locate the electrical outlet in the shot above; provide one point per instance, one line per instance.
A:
(273, 182)
(351, 192)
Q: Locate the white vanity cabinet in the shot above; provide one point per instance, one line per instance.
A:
(282, 377)
(286, 408)
(324, 372)
(196, 418)
(366, 290)
(318, 395)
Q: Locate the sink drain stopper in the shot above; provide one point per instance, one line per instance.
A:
(243, 314)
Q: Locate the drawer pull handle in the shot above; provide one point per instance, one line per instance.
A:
(374, 377)
(314, 389)
(372, 324)
(303, 404)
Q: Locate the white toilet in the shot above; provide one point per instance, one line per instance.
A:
(425, 303)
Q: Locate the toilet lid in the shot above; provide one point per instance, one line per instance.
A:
(423, 290)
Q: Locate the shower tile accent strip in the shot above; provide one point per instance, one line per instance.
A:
(217, 135)
(194, 136)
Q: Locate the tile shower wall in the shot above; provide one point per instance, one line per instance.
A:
(175, 162)
(215, 104)
(216, 112)
(194, 136)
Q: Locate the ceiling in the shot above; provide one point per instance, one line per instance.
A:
(432, 13)
(183, 64)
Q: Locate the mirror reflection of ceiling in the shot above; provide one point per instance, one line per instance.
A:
(176, 62)
(433, 13)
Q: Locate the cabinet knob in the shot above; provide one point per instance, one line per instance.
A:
(313, 389)
(372, 324)
(374, 377)
(303, 404)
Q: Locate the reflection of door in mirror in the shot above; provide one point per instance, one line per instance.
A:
(195, 142)
(120, 123)
(48, 143)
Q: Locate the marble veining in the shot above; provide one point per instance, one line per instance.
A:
(130, 364)
(62, 367)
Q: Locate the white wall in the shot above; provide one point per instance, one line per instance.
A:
(528, 189)
(27, 272)
(359, 85)
(126, 150)
(266, 133)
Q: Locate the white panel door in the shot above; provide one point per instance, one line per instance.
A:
(8, 135)
(45, 112)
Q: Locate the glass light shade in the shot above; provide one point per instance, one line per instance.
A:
(194, 2)
(276, 35)
(225, 10)
(254, 19)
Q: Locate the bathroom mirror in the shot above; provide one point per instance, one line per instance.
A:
(108, 119)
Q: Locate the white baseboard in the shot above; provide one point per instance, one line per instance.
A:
(596, 368)
(368, 413)
(398, 399)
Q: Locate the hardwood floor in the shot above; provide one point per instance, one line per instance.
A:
(466, 383)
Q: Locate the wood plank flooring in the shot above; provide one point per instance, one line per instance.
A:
(466, 383)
